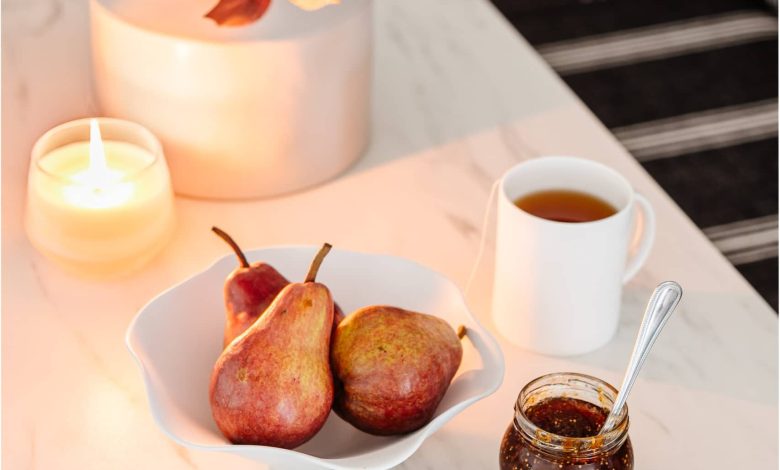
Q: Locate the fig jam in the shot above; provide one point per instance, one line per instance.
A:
(568, 417)
(556, 427)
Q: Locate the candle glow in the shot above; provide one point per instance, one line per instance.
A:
(98, 186)
(99, 206)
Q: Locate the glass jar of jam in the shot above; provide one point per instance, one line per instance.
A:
(556, 425)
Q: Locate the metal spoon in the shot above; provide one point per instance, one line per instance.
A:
(660, 307)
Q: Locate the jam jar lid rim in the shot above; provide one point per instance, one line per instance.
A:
(614, 435)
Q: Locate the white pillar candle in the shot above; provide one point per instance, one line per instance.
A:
(99, 206)
(256, 111)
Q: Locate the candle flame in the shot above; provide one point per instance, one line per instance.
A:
(97, 156)
(98, 186)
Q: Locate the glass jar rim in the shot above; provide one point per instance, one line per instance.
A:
(152, 145)
(557, 445)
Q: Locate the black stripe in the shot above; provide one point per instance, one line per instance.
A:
(763, 276)
(543, 21)
(678, 85)
(720, 186)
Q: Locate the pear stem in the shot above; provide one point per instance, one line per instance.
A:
(461, 331)
(315, 264)
(240, 254)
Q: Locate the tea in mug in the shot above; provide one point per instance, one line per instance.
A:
(562, 205)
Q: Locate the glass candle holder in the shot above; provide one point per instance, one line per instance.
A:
(99, 197)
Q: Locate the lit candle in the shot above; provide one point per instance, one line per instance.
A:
(99, 206)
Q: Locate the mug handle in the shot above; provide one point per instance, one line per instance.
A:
(645, 239)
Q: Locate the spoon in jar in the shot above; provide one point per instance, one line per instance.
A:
(660, 307)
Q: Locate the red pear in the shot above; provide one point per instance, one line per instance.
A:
(392, 367)
(249, 290)
(273, 385)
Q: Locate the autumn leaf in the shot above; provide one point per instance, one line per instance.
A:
(238, 12)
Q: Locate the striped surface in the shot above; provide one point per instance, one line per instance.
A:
(746, 241)
(690, 89)
(658, 41)
(703, 130)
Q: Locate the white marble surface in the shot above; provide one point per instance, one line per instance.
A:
(459, 97)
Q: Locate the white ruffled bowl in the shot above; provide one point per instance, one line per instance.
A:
(177, 337)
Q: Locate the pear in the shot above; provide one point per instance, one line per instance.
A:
(249, 290)
(272, 385)
(392, 367)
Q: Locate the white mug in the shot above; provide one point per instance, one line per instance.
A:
(557, 285)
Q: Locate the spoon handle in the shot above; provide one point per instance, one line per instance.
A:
(660, 307)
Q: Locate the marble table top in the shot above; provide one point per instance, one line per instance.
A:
(458, 98)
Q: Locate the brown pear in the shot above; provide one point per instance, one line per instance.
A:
(392, 367)
(249, 290)
(273, 385)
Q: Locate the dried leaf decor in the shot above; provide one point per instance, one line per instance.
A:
(238, 12)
